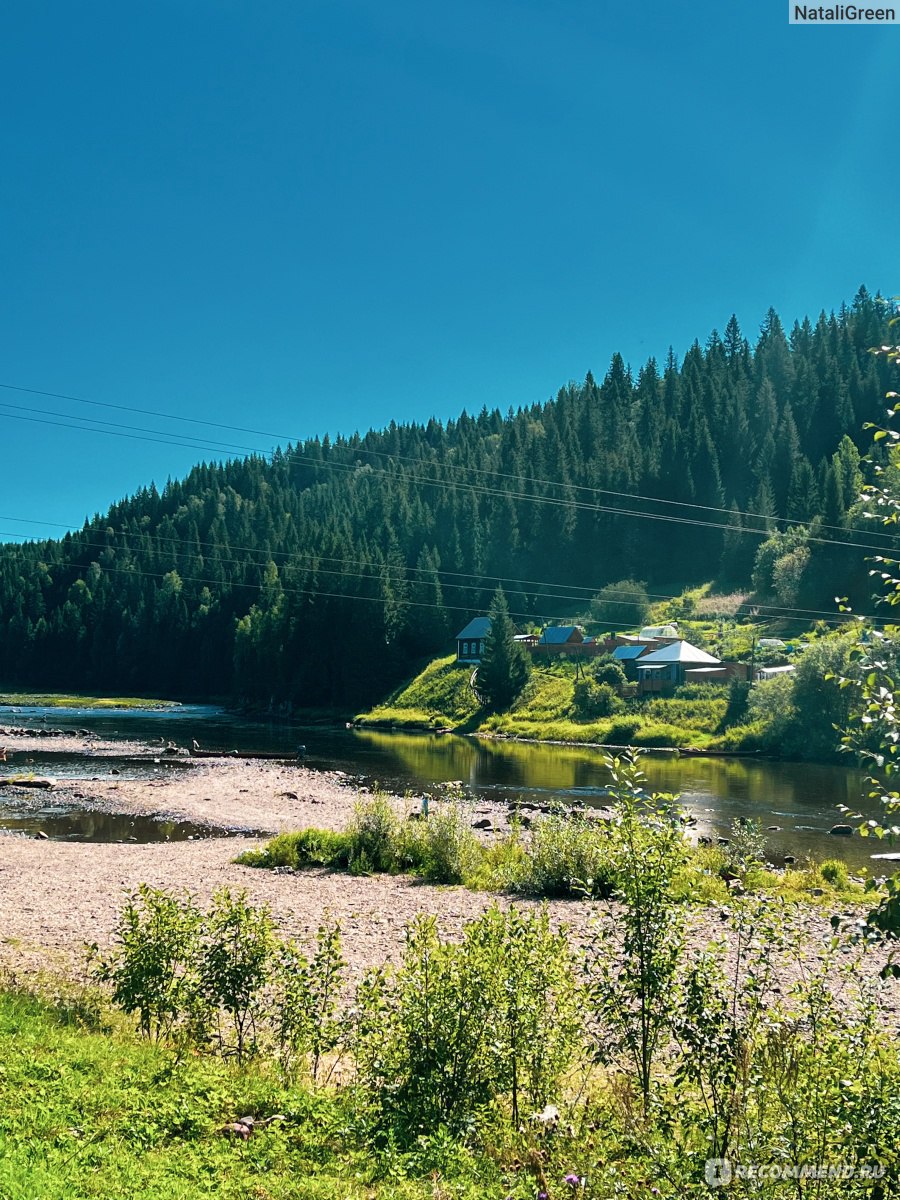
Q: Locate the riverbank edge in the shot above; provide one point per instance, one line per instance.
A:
(687, 751)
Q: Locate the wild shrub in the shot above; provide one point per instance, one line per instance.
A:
(422, 1047)
(153, 966)
(700, 691)
(632, 986)
(608, 670)
(746, 845)
(441, 847)
(305, 848)
(835, 872)
(223, 979)
(235, 963)
(374, 834)
(568, 856)
(537, 1020)
(623, 730)
(460, 1025)
(595, 700)
(306, 1024)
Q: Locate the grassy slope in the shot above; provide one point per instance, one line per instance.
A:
(440, 697)
(91, 1114)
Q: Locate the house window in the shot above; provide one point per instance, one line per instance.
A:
(480, 649)
(465, 649)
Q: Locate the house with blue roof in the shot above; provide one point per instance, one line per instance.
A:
(563, 640)
(627, 657)
(470, 641)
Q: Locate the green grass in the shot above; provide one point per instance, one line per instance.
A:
(93, 1112)
(550, 861)
(55, 700)
(438, 698)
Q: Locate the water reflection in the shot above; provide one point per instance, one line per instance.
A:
(802, 799)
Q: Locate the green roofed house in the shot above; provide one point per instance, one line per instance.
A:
(470, 641)
(665, 669)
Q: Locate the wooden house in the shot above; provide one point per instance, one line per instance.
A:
(665, 669)
(470, 641)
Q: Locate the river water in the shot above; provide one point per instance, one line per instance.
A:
(800, 799)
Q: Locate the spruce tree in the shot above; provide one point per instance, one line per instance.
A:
(505, 663)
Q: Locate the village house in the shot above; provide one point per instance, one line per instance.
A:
(565, 641)
(667, 668)
(627, 657)
(470, 641)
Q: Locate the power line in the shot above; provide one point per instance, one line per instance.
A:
(316, 593)
(479, 489)
(578, 594)
(396, 457)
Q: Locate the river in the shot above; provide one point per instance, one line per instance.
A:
(800, 799)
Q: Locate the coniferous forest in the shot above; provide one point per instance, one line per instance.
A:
(321, 577)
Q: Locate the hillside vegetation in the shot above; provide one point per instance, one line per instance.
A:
(320, 578)
(793, 716)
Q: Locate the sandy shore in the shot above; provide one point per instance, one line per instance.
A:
(58, 896)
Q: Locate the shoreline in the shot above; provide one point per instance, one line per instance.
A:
(60, 896)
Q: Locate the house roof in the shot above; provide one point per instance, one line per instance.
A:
(478, 627)
(678, 652)
(555, 635)
(623, 653)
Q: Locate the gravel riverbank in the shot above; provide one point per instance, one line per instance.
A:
(57, 896)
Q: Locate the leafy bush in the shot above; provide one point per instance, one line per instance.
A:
(608, 670)
(835, 872)
(460, 1024)
(306, 848)
(374, 834)
(592, 700)
(223, 979)
(568, 856)
(700, 691)
(442, 847)
(153, 964)
(307, 992)
(234, 965)
(622, 731)
(746, 845)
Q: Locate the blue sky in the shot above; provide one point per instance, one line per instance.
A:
(310, 217)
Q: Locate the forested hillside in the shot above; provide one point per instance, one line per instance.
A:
(321, 576)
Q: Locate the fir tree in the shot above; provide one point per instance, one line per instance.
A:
(505, 664)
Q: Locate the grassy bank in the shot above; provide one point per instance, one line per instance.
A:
(90, 1111)
(56, 700)
(514, 1059)
(441, 698)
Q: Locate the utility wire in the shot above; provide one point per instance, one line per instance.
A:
(486, 491)
(379, 571)
(393, 457)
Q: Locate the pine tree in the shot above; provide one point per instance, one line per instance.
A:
(505, 663)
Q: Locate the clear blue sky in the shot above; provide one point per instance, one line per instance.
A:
(310, 217)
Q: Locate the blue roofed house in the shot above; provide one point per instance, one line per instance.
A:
(627, 657)
(470, 641)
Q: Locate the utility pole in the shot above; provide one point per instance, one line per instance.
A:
(754, 613)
